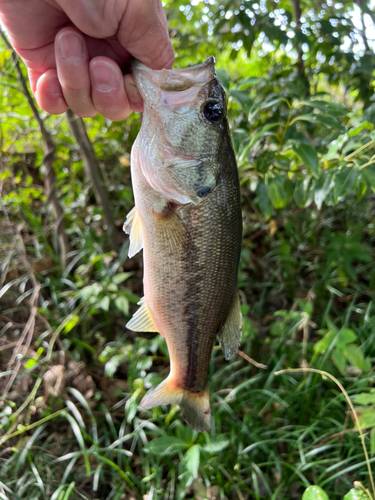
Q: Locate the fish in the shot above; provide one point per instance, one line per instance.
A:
(187, 218)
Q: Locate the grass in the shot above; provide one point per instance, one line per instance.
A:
(271, 437)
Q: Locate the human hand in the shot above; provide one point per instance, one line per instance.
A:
(77, 50)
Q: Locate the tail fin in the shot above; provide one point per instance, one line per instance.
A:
(195, 407)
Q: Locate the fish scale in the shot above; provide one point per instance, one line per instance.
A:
(188, 220)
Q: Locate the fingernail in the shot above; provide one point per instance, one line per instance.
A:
(103, 75)
(131, 90)
(71, 47)
(54, 86)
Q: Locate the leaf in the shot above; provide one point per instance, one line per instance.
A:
(243, 98)
(272, 102)
(216, 446)
(71, 324)
(309, 156)
(365, 399)
(314, 493)
(354, 494)
(263, 200)
(192, 460)
(329, 121)
(364, 126)
(339, 359)
(122, 304)
(131, 409)
(224, 78)
(372, 441)
(345, 180)
(323, 186)
(304, 192)
(369, 175)
(167, 445)
(103, 304)
(354, 355)
(328, 108)
(121, 277)
(367, 418)
(280, 190)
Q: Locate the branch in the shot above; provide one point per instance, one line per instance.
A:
(50, 149)
(90, 162)
(301, 65)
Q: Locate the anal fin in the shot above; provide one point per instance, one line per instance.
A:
(231, 332)
(133, 227)
(142, 320)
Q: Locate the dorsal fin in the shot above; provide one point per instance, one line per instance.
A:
(133, 227)
(142, 320)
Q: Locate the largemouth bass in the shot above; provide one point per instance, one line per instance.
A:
(187, 218)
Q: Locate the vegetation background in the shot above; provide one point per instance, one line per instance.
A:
(299, 76)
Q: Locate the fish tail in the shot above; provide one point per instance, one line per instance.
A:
(195, 406)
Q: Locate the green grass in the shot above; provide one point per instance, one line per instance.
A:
(271, 436)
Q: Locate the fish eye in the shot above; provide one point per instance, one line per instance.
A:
(213, 112)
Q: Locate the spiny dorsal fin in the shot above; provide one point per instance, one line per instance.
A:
(142, 320)
(133, 227)
(231, 332)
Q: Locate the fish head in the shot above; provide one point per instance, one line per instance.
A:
(184, 123)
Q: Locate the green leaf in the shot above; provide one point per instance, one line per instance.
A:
(192, 460)
(345, 336)
(365, 399)
(216, 446)
(364, 126)
(309, 156)
(243, 98)
(345, 180)
(354, 494)
(323, 186)
(339, 359)
(263, 200)
(367, 418)
(304, 192)
(224, 78)
(167, 445)
(103, 304)
(354, 355)
(279, 189)
(368, 174)
(121, 277)
(314, 493)
(71, 324)
(328, 108)
(329, 121)
(122, 304)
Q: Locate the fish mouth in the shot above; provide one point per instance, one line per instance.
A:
(175, 80)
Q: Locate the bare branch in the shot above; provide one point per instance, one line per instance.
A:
(78, 129)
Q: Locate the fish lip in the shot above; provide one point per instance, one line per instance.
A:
(174, 80)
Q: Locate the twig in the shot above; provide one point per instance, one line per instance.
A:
(251, 360)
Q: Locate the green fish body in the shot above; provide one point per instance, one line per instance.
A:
(187, 218)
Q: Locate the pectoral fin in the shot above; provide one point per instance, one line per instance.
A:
(231, 332)
(133, 227)
(142, 320)
(174, 234)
